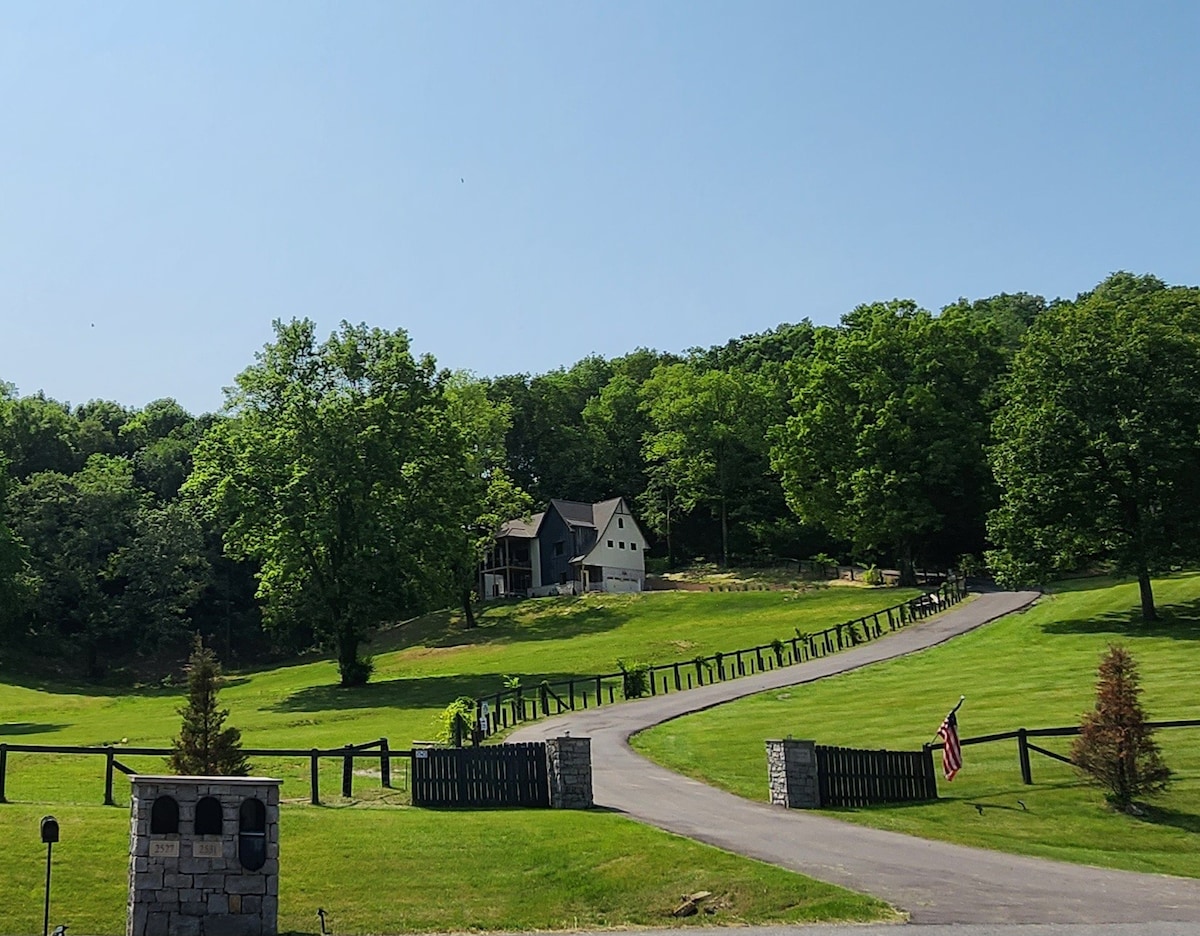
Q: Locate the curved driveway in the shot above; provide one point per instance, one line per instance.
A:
(935, 882)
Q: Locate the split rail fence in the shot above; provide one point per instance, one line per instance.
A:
(511, 707)
(1024, 745)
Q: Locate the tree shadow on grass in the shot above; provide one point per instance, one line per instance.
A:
(421, 692)
(1156, 815)
(1179, 621)
(510, 622)
(28, 728)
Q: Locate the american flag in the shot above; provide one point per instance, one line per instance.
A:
(951, 749)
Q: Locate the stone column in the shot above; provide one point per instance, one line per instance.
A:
(792, 774)
(569, 766)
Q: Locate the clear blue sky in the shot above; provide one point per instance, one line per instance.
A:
(662, 174)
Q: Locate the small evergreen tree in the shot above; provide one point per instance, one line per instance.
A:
(1115, 748)
(204, 747)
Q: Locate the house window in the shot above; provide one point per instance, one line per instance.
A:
(610, 544)
(621, 545)
(633, 545)
(620, 523)
(558, 548)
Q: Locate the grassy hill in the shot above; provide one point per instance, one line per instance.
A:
(376, 864)
(1035, 669)
(420, 667)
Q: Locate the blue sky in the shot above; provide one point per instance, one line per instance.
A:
(519, 185)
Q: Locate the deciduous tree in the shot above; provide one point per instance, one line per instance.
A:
(1098, 443)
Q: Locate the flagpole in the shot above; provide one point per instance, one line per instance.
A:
(953, 711)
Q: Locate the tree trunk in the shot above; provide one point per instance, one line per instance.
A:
(464, 597)
(350, 667)
(1149, 612)
(908, 571)
(724, 535)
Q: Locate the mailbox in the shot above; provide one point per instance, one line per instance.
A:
(49, 830)
(252, 834)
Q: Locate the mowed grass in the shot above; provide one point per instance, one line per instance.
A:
(378, 870)
(420, 667)
(1034, 669)
(376, 864)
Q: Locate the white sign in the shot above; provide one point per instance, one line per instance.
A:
(422, 754)
(206, 849)
(164, 849)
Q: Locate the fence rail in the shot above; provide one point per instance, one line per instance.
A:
(1022, 736)
(377, 750)
(509, 707)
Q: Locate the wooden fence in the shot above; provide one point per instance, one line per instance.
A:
(1024, 745)
(371, 751)
(510, 707)
(497, 775)
(854, 777)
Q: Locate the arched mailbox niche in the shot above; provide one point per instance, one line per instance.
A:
(209, 816)
(252, 834)
(164, 816)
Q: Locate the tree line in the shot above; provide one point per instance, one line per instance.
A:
(349, 482)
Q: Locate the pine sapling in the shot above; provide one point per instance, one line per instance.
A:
(1115, 748)
(204, 746)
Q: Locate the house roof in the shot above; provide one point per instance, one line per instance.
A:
(575, 513)
(520, 529)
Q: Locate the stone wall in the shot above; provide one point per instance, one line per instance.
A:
(792, 774)
(184, 884)
(569, 765)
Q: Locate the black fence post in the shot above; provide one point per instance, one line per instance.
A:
(678, 684)
(385, 763)
(348, 773)
(108, 776)
(313, 774)
(3, 770)
(1023, 756)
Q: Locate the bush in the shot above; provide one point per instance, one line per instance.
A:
(358, 671)
(461, 708)
(872, 575)
(636, 678)
(1115, 748)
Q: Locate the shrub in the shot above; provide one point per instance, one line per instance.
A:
(1115, 748)
(636, 678)
(872, 575)
(357, 672)
(461, 708)
(204, 746)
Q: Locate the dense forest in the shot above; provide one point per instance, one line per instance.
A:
(348, 482)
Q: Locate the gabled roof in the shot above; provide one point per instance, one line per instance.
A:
(602, 512)
(575, 513)
(520, 529)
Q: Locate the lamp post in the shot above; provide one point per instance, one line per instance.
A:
(49, 836)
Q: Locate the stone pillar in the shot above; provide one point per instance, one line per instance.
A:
(792, 774)
(203, 856)
(569, 766)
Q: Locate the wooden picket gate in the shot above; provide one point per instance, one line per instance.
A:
(495, 775)
(852, 777)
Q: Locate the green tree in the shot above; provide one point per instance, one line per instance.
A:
(205, 747)
(707, 446)
(886, 447)
(1115, 748)
(75, 527)
(16, 581)
(1098, 443)
(343, 474)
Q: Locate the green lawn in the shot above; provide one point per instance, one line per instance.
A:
(378, 865)
(408, 870)
(420, 668)
(1035, 669)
